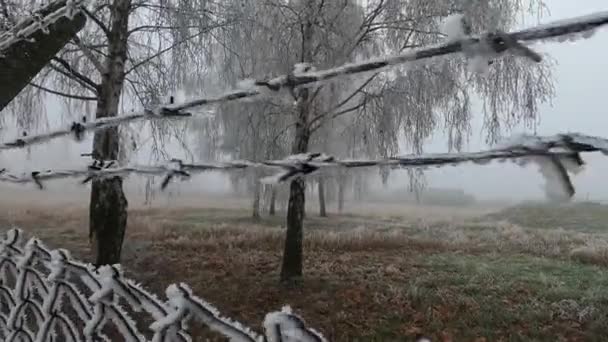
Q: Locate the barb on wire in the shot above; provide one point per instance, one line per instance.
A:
(39, 20)
(487, 46)
(77, 129)
(64, 277)
(556, 155)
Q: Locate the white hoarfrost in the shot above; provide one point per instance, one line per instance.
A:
(302, 165)
(246, 84)
(454, 27)
(557, 185)
(301, 68)
(27, 27)
(585, 29)
(285, 326)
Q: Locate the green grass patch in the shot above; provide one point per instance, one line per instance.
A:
(585, 217)
(514, 297)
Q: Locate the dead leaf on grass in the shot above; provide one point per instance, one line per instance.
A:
(446, 336)
(410, 330)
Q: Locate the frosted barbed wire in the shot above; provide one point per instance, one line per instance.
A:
(62, 278)
(35, 22)
(77, 129)
(556, 155)
(476, 49)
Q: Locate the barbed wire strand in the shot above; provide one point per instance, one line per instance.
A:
(562, 151)
(493, 44)
(38, 20)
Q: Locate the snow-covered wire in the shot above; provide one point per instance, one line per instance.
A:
(556, 155)
(59, 282)
(477, 48)
(77, 129)
(39, 20)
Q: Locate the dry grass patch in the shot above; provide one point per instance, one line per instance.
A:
(366, 278)
(594, 251)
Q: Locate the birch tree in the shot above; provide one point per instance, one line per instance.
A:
(131, 53)
(411, 101)
(255, 49)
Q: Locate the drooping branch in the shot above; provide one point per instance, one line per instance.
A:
(97, 21)
(89, 55)
(63, 94)
(171, 47)
(75, 74)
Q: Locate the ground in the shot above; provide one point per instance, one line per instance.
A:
(526, 273)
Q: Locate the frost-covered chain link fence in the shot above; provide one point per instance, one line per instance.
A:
(45, 295)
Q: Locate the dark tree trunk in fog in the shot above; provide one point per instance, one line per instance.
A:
(108, 207)
(322, 209)
(257, 189)
(108, 220)
(341, 186)
(272, 210)
(359, 188)
(291, 268)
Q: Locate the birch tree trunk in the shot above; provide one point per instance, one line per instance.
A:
(108, 207)
(257, 189)
(272, 210)
(341, 186)
(291, 268)
(322, 209)
(292, 255)
(358, 188)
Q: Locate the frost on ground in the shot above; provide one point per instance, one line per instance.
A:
(361, 270)
(41, 278)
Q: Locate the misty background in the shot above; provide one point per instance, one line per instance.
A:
(579, 106)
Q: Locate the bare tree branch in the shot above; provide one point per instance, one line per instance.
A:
(96, 20)
(343, 102)
(89, 55)
(70, 76)
(171, 47)
(75, 73)
(63, 94)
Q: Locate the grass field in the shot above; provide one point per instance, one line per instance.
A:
(534, 273)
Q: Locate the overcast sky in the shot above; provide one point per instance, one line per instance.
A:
(579, 106)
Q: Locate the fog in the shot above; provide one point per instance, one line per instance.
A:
(579, 106)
